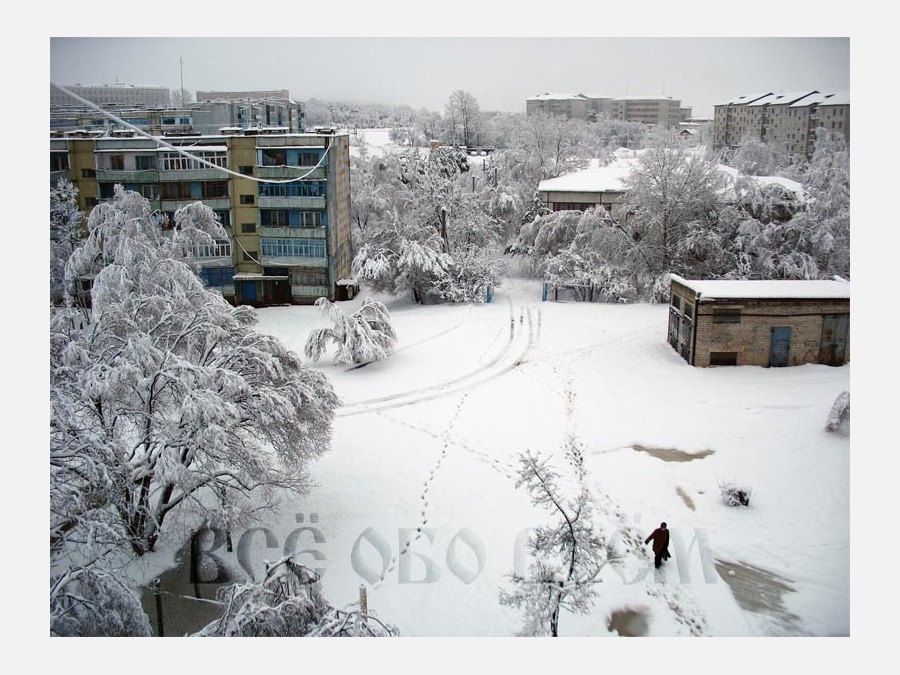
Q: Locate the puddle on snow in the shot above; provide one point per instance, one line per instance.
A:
(760, 592)
(672, 455)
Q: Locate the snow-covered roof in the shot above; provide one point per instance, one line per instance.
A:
(596, 179)
(801, 97)
(653, 97)
(722, 289)
(787, 183)
(837, 98)
(554, 97)
(746, 98)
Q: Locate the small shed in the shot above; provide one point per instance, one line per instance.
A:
(760, 323)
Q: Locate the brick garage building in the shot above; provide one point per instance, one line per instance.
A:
(760, 323)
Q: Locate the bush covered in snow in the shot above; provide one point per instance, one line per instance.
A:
(735, 494)
(839, 417)
(289, 603)
(364, 336)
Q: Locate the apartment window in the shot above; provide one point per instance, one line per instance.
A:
(214, 189)
(117, 162)
(307, 158)
(248, 228)
(175, 190)
(310, 219)
(676, 302)
(224, 217)
(88, 173)
(248, 199)
(302, 188)
(220, 249)
(145, 162)
(91, 201)
(274, 218)
(301, 276)
(217, 276)
(251, 256)
(59, 162)
(149, 190)
(293, 248)
(274, 158)
(727, 315)
(246, 170)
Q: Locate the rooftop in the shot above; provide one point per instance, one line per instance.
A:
(723, 289)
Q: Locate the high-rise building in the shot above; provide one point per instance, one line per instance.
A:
(283, 198)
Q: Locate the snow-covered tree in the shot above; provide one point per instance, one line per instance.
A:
(567, 556)
(366, 335)
(462, 116)
(65, 235)
(671, 190)
(86, 602)
(164, 399)
(288, 602)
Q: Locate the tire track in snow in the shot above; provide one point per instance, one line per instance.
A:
(519, 342)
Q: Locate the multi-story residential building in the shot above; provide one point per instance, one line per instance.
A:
(109, 94)
(663, 111)
(242, 95)
(787, 122)
(206, 117)
(572, 106)
(284, 200)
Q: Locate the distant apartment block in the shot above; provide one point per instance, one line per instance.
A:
(661, 111)
(787, 122)
(205, 117)
(242, 95)
(283, 198)
(571, 106)
(110, 94)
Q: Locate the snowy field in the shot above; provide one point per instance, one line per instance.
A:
(417, 499)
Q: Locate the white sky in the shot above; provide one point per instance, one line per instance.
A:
(500, 60)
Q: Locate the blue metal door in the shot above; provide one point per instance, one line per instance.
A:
(248, 291)
(780, 348)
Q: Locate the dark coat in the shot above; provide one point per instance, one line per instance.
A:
(660, 538)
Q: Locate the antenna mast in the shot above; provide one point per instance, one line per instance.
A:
(181, 64)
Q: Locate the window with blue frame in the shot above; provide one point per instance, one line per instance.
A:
(291, 218)
(303, 188)
(217, 276)
(293, 248)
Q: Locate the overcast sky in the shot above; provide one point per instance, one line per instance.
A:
(501, 72)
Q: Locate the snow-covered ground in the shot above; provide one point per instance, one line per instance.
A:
(417, 499)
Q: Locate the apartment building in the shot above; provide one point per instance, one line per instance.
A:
(571, 106)
(787, 122)
(205, 117)
(283, 198)
(661, 111)
(109, 94)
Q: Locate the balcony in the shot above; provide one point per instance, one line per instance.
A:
(174, 204)
(287, 172)
(292, 232)
(291, 261)
(125, 176)
(311, 203)
(205, 173)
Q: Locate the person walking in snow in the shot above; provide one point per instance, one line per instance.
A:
(660, 539)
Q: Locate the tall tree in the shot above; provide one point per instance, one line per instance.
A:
(65, 234)
(164, 399)
(670, 190)
(463, 116)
